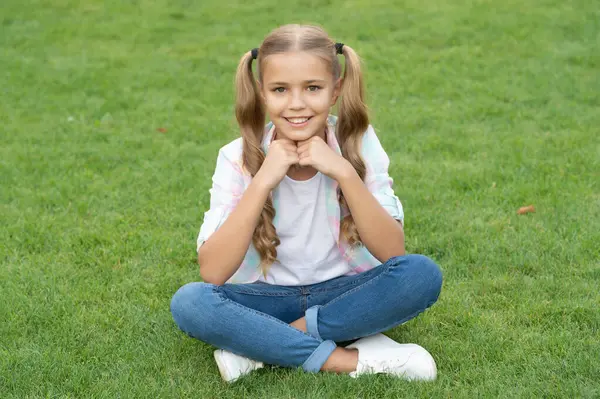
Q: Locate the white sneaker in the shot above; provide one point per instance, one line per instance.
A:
(232, 366)
(380, 354)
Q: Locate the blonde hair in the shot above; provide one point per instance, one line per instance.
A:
(352, 121)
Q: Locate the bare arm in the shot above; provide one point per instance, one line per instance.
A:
(381, 233)
(222, 254)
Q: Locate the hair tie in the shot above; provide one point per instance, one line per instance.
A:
(254, 53)
(339, 48)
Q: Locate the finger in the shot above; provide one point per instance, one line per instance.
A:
(290, 146)
(312, 139)
(304, 146)
(292, 158)
(306, 161)
(303, 154)
(292, 152)
(275, 145)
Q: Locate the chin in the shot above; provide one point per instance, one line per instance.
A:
(298, 136)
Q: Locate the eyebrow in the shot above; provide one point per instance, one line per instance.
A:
(305, 82)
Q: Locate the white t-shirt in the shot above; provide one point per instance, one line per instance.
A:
(308, 252)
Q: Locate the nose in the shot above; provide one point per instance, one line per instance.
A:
(296, 100)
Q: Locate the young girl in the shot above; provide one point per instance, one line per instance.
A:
(303, 244)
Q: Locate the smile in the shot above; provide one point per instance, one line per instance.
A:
(298, 121)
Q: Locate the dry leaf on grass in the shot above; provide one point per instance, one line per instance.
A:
(526, 209)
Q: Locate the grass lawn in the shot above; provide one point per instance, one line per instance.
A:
(483, 106)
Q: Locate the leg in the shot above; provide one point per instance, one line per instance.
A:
(374, 301)
(300, 324)
(341, 360)
(204, 311)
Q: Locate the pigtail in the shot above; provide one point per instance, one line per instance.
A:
(353, 121)
(249, 108)
(250, 114)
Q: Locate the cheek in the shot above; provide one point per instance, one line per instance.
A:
(274, 103)
(321, 103)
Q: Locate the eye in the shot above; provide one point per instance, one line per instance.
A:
(314, 88)
(279, 89)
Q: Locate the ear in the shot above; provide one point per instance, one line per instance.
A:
(337, 90)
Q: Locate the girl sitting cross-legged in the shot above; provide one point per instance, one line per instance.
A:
(303, 245)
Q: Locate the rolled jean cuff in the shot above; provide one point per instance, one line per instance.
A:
(311, 315)
(318, 358)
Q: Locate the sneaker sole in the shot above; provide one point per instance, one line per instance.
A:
(434, 367)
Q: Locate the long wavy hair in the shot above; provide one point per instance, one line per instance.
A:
(352, 121)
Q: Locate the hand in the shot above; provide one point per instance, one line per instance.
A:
(282, 154)
(316, 153)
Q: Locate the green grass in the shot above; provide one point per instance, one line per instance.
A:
(483, 106)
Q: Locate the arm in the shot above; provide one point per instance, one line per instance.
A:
(222, 254)
(376, 210)
(381, 233)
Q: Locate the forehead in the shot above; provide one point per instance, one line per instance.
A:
(294, 66)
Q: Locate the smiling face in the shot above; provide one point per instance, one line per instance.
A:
(299, 90)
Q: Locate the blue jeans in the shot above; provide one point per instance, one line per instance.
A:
(252, 320)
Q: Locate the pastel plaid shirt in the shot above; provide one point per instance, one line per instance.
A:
(230, 180)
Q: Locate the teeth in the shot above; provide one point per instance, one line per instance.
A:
(297, 120)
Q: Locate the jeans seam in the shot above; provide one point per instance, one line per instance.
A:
(404, 320)
(223, 298)
(344, 285)
(363, 284)
(356, 281)
(258, 293)
(335, 287)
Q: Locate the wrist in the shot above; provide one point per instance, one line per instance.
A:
(261, 184)
(346, 172)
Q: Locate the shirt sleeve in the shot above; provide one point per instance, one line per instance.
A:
(225, 193)
(377, 179)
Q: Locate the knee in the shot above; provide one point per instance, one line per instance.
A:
(425, 275)
(187, 302)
